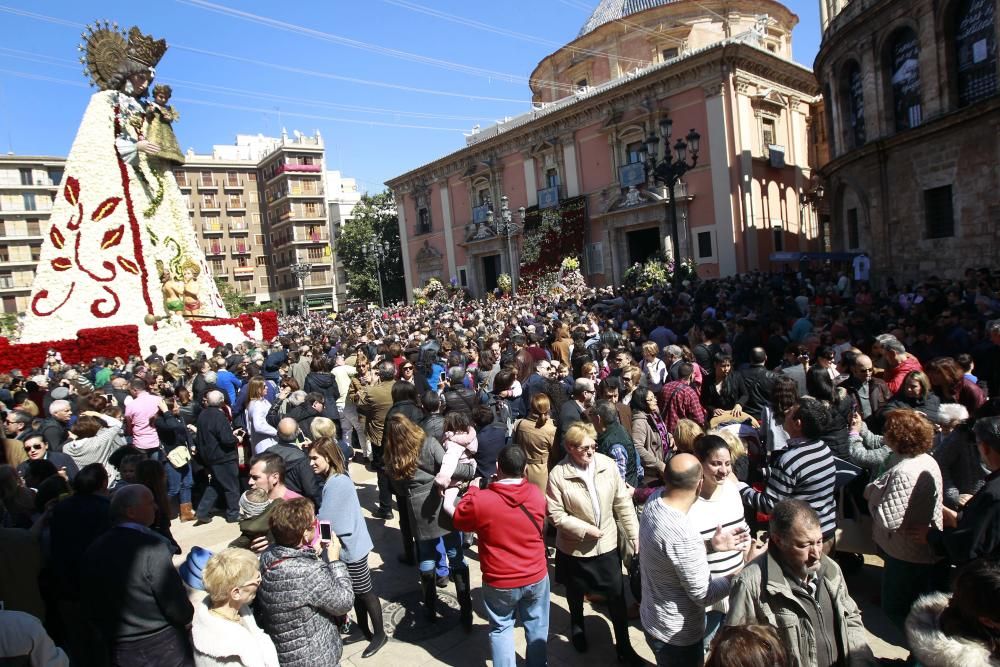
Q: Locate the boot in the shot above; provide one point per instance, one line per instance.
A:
(464, 594)
(577, 636)
(187, 513)
(428, 585)
(371, 607)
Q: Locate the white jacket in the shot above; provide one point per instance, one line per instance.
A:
(908, 494)
(932, 647)
(219, 642)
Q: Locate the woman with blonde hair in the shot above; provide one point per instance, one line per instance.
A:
(589, 503)
(224, 631)
(342, 510)
(684, 435)
(536, 435)
(262, 434)
(412, 459)
(737, 452)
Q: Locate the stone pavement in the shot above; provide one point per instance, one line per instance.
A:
(416, 642)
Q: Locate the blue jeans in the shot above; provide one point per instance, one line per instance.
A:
(713, 621)
(179, 481)
(427, 554)
(668, 655)
(530, 604)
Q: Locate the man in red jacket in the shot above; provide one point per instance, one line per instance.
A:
(901, 363)
(509, 517)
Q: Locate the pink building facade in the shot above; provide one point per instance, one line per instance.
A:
(756, 112)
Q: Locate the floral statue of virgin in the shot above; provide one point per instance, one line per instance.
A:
(119, 220)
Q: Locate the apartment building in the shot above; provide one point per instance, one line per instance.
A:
(28, 184)
(291, 180)
(341, 197)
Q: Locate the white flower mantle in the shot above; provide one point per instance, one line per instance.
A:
(100, 256)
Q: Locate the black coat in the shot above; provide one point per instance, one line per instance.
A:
(326, 384)
(215, 440)
(172, 431)
(460, 399)
(978, 532)
(130, 588)
(757, 385)
(299, 475)
(55, 433)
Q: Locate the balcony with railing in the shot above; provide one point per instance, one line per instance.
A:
(215, 250)
(241, 249)
(239, 227)
(232, 182)
(207, 182)
(236, 204)
(212, 228)
(306, 236)
(243, 272)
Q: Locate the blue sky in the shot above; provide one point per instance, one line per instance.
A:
(254, 67)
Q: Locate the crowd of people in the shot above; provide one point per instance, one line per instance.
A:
(702, 460)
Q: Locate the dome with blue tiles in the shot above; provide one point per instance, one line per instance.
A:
(614, 10)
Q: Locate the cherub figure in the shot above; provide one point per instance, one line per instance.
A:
(189, 273)
(173, 296)
(159, 119)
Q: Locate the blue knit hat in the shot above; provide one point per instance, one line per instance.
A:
(191, 568)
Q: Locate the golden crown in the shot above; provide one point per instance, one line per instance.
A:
(144, 49)
(105, 46)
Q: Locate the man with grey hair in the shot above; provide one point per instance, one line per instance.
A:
(457, 397)
(215, 443)
(615, 442)
(131, 591)
(900, 363)
(576, 409)
(55, 428)
(673, 357)
(975, 533)
(299, 475)
(794, 581)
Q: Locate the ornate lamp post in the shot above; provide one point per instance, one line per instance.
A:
(379, 251)
(302, 270)
(671, 168)
(506, 228)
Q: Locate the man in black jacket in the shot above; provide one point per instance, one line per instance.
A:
(131, 592)
(457, 397)
(299, 475)
(757, 383)
(215, 445)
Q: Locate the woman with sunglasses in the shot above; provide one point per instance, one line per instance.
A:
(224, 631)
(589, 503)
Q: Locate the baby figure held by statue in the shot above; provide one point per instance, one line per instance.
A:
(160, 117)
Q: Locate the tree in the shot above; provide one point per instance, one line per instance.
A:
(230, 297)
(374, 219)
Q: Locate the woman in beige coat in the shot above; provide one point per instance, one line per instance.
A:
(535, 436)
(589, 503)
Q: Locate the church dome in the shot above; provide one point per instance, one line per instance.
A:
(613, 10)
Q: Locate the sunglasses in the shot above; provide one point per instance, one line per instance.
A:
(33, 448)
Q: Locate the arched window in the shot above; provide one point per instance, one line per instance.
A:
(853, 105)
(975, 50)
(903, 59)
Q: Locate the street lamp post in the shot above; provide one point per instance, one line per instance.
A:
(379, 251)
(301, 271)
(670, 169)
(506, 228)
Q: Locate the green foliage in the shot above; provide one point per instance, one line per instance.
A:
(374, 219)
(232, 299)
(8, 324)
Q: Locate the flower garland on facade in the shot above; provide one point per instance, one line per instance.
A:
(655, 272)
(556, 234)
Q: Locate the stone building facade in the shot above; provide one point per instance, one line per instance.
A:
(723, 68)
(912, 109)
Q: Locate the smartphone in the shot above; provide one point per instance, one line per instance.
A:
(325, 532)
(443, 376)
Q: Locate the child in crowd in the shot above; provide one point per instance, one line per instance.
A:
(460, 446)
(255, 510)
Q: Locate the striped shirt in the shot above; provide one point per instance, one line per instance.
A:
(676, 583)
(726, 510)
(803, 470)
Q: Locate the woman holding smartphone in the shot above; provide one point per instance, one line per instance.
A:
(340, 514)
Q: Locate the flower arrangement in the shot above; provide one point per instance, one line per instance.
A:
(504, 283)
(552, 235)
(657, 272)
(570, 264)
